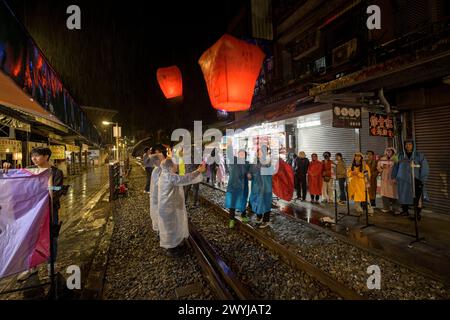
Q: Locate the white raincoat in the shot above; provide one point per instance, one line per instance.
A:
(154, 197)
(173, 221)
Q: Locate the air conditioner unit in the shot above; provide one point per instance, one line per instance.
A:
(345, 52)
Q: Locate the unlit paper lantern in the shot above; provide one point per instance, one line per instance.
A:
(170, 81)
(231, 67)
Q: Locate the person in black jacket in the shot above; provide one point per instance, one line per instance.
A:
(301, 166)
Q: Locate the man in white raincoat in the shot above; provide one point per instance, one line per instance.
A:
(155, 159)
(173, 221)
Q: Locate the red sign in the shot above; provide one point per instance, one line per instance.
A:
(381, 125)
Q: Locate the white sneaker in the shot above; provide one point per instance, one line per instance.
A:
(263, 225)
(26, 274)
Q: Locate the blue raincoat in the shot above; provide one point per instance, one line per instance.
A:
(237, 189)
(402, 173)
(261, 193)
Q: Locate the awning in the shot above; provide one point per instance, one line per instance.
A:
(13, 97)
(11, 122)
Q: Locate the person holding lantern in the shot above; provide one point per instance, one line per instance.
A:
(172, 215)
(237, 188)
(260, 175)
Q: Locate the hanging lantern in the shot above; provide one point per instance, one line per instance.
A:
(231, 67)
(170, 81)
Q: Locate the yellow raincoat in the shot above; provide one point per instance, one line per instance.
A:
(357, 184)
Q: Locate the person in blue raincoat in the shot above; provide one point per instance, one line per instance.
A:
(260, 175)
(402, 173)
(237, 189)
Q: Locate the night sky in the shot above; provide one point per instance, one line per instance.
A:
(112, 61)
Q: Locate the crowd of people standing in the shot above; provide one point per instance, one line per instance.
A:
(249, 185)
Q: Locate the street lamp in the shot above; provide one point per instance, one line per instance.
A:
(107, 123)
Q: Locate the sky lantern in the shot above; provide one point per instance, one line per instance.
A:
(170, 81)
(231, 67)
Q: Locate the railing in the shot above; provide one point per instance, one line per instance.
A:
(423, 42)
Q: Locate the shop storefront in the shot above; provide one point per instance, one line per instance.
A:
(11, 151)
(84, 156)
(94, 157)
(72, 159)
(425, 114)
(431, 128)
(316, 134)
(270, 134)
(58, 158)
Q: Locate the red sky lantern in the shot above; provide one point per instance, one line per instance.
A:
(231, 67)
(170, 81)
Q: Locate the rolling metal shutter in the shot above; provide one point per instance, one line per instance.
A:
(432, 128)
(327, 138)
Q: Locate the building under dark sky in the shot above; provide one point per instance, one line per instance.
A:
(112, 61)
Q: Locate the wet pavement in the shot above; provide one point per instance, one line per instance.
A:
(387, 235)
(84, 216)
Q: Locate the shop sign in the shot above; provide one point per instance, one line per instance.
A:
(72, 148)
(14, 123)
(381, 125)
(58, 152)
(346, 117)
(10, 146)
(32, 145)
(84, 147)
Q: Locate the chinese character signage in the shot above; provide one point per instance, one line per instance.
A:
(10, 146)
(346, 117)
(72, 148)
(381, 125)
(58, 152)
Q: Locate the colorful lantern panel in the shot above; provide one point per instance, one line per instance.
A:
(231, 67)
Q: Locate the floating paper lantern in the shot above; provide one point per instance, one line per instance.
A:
(170, 81)
(231, 67)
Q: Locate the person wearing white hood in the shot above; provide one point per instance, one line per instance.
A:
(388, 185)
(173, 221)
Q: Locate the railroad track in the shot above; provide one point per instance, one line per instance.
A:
(288, 256)
(224, 283)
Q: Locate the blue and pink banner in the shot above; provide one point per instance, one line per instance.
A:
(24, 220)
